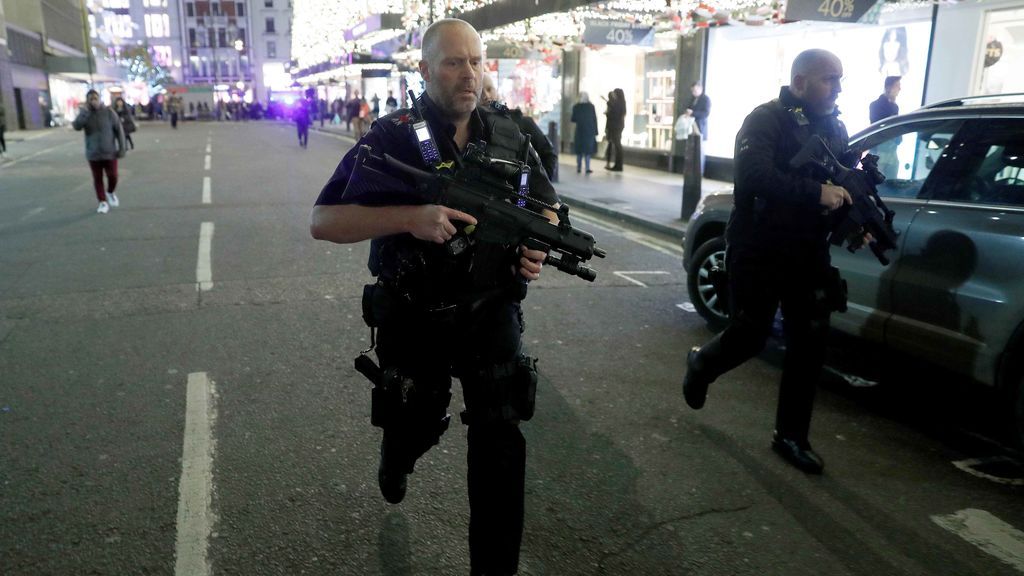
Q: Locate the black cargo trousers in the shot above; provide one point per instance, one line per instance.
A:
(429, 347)
(761, 280)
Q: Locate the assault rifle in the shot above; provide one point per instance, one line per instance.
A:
(479, 187)
(868, 214)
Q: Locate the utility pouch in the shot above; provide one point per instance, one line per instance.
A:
(368, 316)
(834, 291)
(523, 395)
(389, 397)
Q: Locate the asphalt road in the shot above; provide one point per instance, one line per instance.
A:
(177, 397)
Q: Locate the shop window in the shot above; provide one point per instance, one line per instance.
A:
(1001, 57)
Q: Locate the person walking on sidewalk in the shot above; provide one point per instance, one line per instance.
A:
(3, 127)
(124, 113)
(585, 136)
(614, 124)
(778, 251)
(104, 144)
(301, 117)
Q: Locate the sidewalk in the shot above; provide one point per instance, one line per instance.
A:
(649, 198)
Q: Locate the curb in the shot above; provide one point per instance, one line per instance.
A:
(574, 201)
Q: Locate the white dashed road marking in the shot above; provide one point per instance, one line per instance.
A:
(971, 467)
(626, 274)
(206, 162)
(207, 195)
(204, 268)
(195, 491)
(988, 533)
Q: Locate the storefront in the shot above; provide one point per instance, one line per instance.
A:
(645, 67)
(527, 79)
(1002, 53)
(746, 66)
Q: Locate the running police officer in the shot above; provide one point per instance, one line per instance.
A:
(440, 311)
(778, 251)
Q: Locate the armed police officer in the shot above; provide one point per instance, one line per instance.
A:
(778, 253)
(440, 308)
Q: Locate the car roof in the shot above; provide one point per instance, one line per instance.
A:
(997, 105)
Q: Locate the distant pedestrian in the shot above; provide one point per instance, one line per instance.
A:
(174, 106)
(301, 117)
(700, 109)
(375, 108)
(886, 105)
(104, 144)
(352, 110)
(3, 127)
(364, 118)
(585, 136)
(322, 111)
(390, 105)
(124, 113)
(614, 124)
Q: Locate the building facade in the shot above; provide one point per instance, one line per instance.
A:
(272, 43)
(218, 37)
(43, 49)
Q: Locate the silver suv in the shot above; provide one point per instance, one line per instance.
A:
(953, 295)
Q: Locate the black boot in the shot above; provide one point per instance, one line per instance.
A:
(695, 384)
(391, 477)
(798, 454)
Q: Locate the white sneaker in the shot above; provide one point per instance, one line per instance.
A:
(112, 198)
(103, 208)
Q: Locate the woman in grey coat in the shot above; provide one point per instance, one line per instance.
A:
(104, 144)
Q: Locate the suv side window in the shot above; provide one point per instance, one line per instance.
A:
(907, 154)
(986, 164)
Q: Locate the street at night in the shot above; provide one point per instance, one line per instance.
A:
(194, 347)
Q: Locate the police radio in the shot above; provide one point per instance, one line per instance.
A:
(424, 139)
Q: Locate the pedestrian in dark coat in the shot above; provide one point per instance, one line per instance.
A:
(124, 113)
(585, 136)
(302, 121)
(3, 126)
(615, 123)
(886, 105)
(539, 142)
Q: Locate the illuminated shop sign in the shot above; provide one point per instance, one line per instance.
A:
(828, 10)
(616, 32)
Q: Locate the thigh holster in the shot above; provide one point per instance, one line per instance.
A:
(500, 392)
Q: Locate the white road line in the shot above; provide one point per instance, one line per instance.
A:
(625, 274)
(988, 533)
(686, 307)
(969, 467)
(207, 194)
(32, 213)
(195, 491)
(204, 269)
(206, 162)
(667, 248)
(33, 155)
(207, 146)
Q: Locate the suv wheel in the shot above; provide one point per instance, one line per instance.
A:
(705, 289)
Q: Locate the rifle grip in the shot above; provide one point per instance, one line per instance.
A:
(367, 367)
